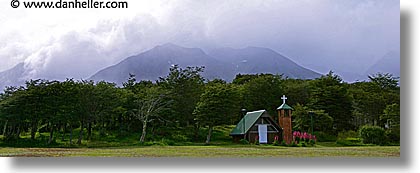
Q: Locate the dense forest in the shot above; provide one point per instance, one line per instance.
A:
(181, 104)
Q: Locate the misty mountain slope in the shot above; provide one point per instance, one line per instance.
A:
(12, 77)
(389, 63)
(156, 62)
(262, 60)
(222, 63)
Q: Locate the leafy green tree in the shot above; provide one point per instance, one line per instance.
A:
(297, 90)
(52, 104)
(35, 105)
(11, 106)
(106, 94)
(263, 92)
(86, 105)
(241, 79)
(385, 81)
(122, 116)
(371, 98)
(184, 88)
(329, 93)
(69, 106)
(128, 96)
(302, 119)
(150, 104)
(391, 116)
(218, 102)
(368, 103)
(131, 82)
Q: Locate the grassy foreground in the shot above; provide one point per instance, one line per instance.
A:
(206, 151)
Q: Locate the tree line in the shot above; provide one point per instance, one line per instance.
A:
(182, 103)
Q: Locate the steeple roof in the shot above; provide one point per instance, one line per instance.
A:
(284, 106)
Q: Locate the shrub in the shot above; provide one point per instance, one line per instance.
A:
(283, 143)
(244, 141)
(393, 136)
(292, 145)
(304, 137)
(162, 142)
(180, 138)
(167, 142)
(276, 143)
(347, 134)
(312, 142)
(325, 137)
(372, 135)
(349, 142)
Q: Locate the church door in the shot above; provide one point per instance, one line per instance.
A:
(262, 132)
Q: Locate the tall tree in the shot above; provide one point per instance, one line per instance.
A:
(217, 105)
(385, 81)
(263, 91)
(297, 90)
(329, 93)
(53, 101)
(12, 107)
(371, 98)
(185, 87)
(391, 116)
(87, 105)
(35, 103)
(106, 94)
(150, 103)
(303, 121)
(69, 106)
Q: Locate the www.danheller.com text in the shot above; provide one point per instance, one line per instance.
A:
(70, 4)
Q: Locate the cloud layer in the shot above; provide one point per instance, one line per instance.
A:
(319, 34)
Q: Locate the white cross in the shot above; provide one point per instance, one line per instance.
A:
(284, 98)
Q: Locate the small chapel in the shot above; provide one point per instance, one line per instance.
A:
(259, 125)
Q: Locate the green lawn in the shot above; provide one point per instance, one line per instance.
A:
(244, 151)
(221, 146)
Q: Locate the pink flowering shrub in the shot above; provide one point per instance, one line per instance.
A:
(276, 141)
(306, 138)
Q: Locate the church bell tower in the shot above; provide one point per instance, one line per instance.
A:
(285, 120)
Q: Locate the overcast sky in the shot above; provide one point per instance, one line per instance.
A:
(346, 35)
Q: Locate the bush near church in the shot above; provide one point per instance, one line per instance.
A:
(372, 135)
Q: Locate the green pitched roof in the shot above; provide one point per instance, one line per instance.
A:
(250, 118)
(284, 106)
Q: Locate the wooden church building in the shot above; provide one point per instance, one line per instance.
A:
(254, 123)
(259, 125)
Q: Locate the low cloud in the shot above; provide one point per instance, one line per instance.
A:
(322, 35)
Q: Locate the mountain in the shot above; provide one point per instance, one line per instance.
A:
(222, 63)
(155, 63)
(253, 60)
(389, 63)
(12, 77)
(350, 76)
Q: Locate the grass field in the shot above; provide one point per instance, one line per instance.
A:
(242, 151)
(221, 146)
